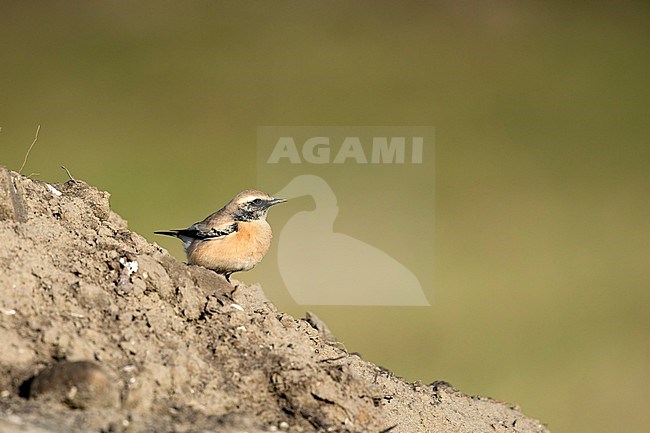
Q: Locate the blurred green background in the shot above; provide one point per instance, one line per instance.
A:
(542, 252)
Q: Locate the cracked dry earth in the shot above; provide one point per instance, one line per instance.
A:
(103, 332)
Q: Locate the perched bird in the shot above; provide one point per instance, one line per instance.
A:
(234, 238)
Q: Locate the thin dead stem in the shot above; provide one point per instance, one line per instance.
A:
(69, 175)
(30, 149)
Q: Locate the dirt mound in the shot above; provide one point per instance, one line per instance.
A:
(102, 331)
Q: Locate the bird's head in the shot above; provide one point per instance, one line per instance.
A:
(251, 205)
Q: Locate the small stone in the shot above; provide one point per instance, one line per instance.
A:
(79, 385)
(321, 327)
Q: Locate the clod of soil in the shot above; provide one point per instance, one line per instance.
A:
(102, 331)
(79, 384)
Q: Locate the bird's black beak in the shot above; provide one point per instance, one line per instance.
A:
(273, 201)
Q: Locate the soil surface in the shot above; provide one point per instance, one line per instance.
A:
(104, 332)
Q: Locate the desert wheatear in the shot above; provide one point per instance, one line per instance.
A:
(234, 238)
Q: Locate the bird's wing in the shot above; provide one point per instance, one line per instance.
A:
(204, 232)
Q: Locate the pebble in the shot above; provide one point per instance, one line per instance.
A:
(77, 384)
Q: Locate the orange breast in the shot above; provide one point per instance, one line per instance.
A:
(239, 251)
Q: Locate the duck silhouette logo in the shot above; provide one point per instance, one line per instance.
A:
(322, 267)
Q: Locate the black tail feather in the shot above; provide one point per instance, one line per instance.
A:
(173, 233)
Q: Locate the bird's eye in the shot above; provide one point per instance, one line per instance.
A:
(257, 201)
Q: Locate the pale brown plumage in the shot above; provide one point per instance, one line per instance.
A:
(234, 238)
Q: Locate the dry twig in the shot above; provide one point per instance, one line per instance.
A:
(69, 175)
(30, 149)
